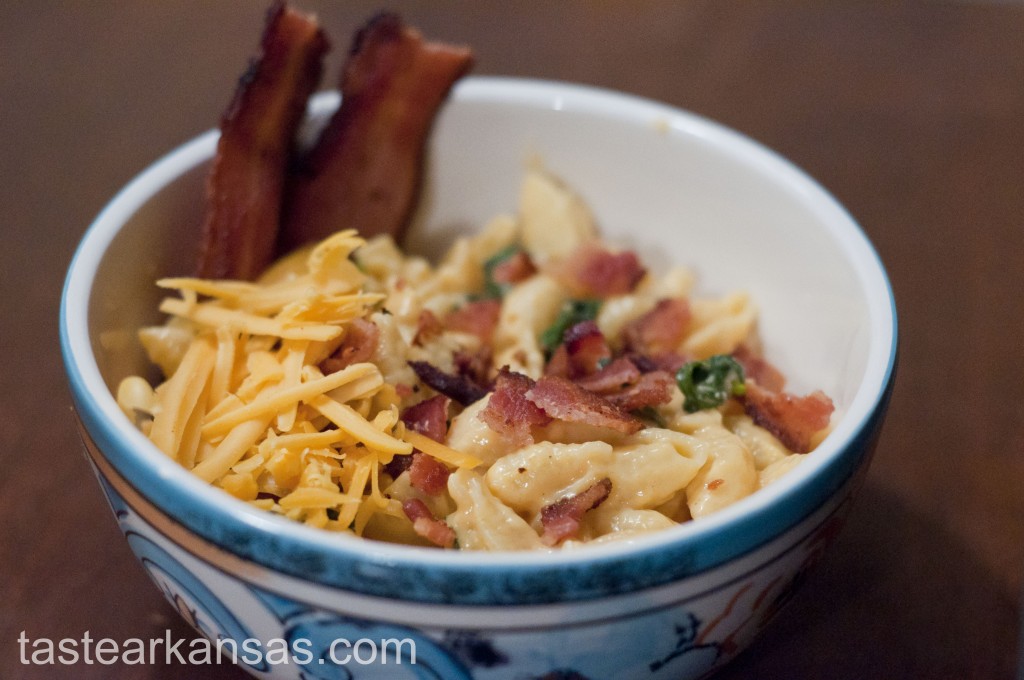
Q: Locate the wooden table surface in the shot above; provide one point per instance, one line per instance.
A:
(911, 113)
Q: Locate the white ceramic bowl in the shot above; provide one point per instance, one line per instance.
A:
(673, 604)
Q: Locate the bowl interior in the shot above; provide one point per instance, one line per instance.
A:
(676, 187)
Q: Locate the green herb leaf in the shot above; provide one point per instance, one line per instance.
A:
(492, 289)
(707, 384)
(572, 312)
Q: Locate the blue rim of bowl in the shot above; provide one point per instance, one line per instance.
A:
(434, 576)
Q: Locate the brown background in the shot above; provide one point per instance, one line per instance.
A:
(911, 113)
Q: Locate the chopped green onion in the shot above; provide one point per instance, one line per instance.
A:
(707, 384)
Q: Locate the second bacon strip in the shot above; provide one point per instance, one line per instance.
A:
(364, 173)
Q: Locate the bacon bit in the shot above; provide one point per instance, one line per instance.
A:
(429, 417)
(458, 387)
(561, 519)
(428, 474)
(714, 484)
(582, 352)
(399, 464)
(558, 364)
(513, 269)
(616, 376)
(587, 347)
(509, 412)
(759, 369)
(366, 169)
(403, 390)
(474, 365)
(245, 188)
(592, 271)
(660, 330)
(428, 327)
(670, 362)
(426, 525)
(794, 420)
(478, 318)
(652, 389)
(565, 400)
(359, 344)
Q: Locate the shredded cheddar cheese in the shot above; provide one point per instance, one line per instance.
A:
(245, 406)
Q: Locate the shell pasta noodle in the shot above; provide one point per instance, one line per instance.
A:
(538, 388)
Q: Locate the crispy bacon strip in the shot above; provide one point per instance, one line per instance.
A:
(660, 330)
(509, 412)
(591, 271)
(478, 318)
(561, 519)
(426, 525)
(794, 420)
(246, 184)
(565, 400)
(359, 344)
(365, 171)
(458, 387)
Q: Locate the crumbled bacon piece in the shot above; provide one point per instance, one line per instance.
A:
(614, 377)
(582, 352)
(559, 364)
(359, 344)
(459, 388)
(428, 327)
(474, 365)
(429, 417)
(426, 525)
(428, 474)
(670, 362)
(759, 370)
(794, 420)
(587, 347)
(399, 464)
(513, 269)
(366, 169)
(245, 188)
(478, 318)
(561, 519)
(565, 400)
(509, 412)
(660, 330)
(651, 389)
(592, 271)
